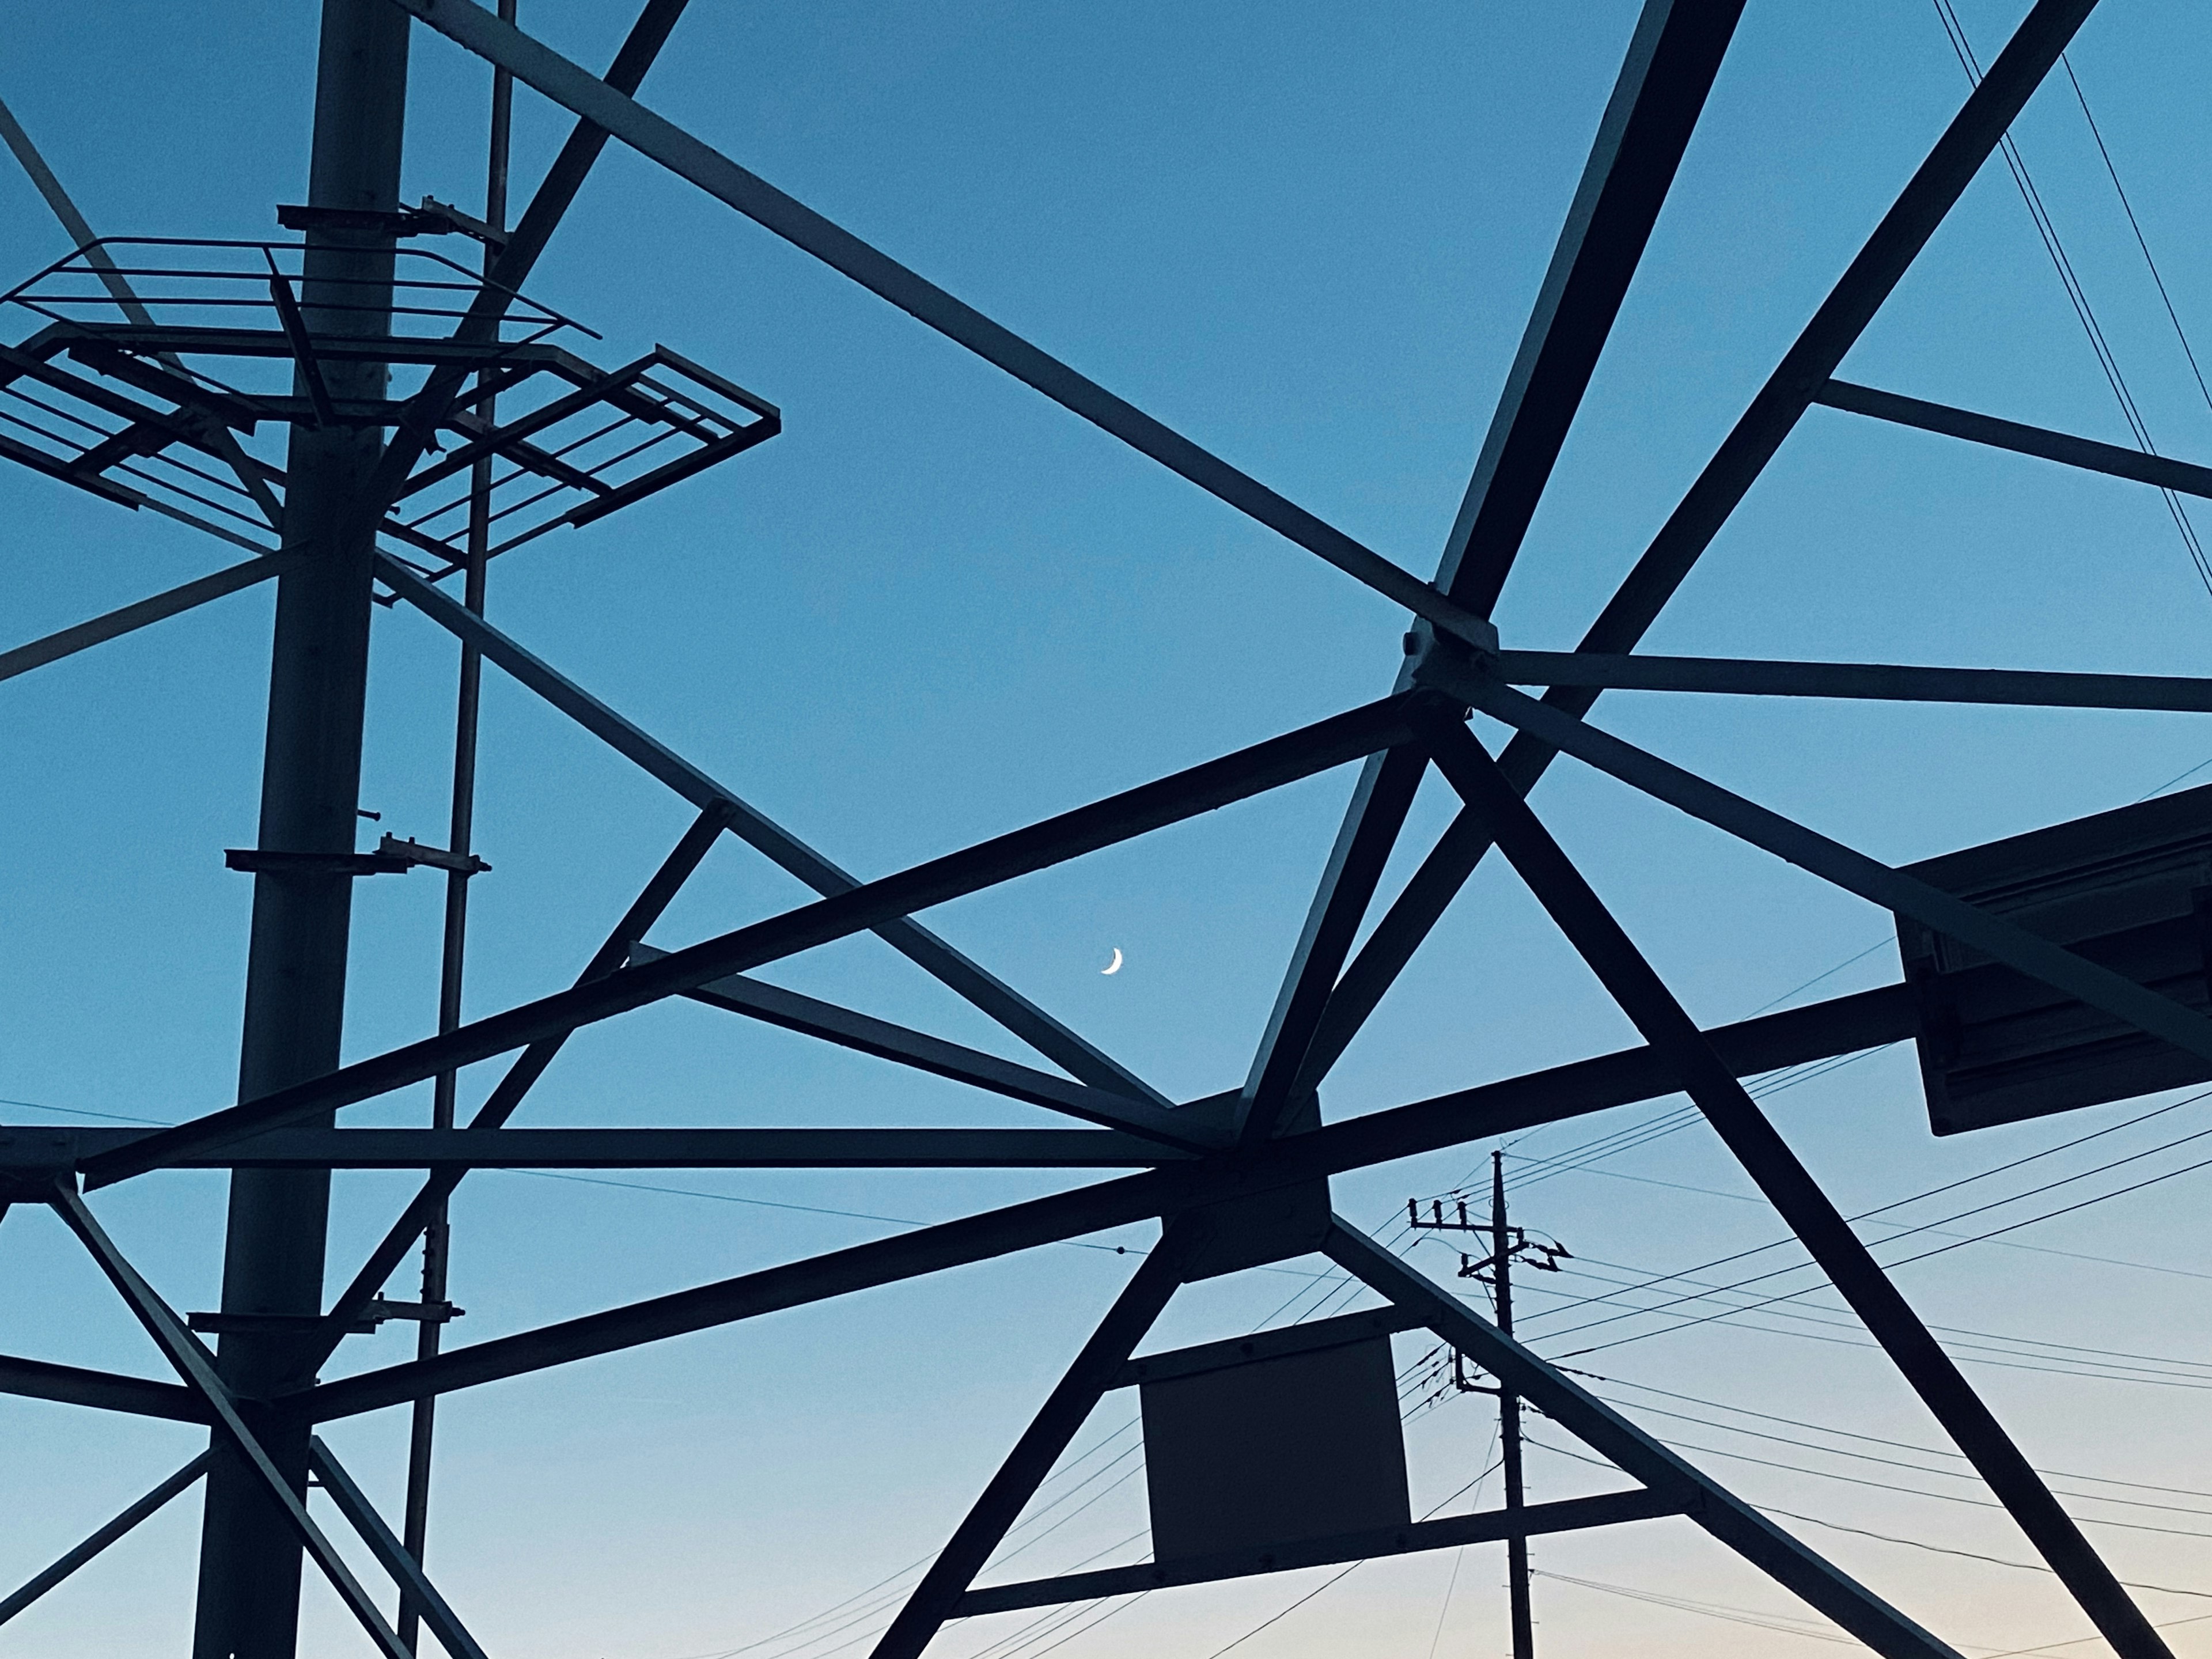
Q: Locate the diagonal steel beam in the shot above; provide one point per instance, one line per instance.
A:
(1888, 682)
(143, 613)
(1767, 1158)
(197, 1367)
(1881, 264)
(1669, 69)
(790, 1011)
(391, 1554)
(555, 193)
(1665, 77)
(216, 436)
(1380, 801)
(1001, 1502)
(107, 1391)
(910, 938)
(1855, 872)
(1202, 788)
(536, 65)
(1871, 277)
(912, 1254)
(1484, 1527)
(2061, 446)
(506, 1096)
(102, 1536)
(1567, 1402)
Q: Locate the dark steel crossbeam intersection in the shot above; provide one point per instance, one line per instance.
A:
(1757, 437)
(1790, 1188)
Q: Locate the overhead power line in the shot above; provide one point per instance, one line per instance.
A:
(2077, 295)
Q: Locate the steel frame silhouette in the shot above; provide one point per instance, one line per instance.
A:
(1205, 1167)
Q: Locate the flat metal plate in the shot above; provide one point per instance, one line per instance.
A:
(1274, 1451)
(2128, 889)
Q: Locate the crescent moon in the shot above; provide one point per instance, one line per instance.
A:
(1115, 966)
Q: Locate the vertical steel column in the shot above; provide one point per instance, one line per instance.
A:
(250, 1559)
(1509, 1417)
(437, 1236)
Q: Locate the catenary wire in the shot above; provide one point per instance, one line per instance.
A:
(2077, 295)
(1940, 1249)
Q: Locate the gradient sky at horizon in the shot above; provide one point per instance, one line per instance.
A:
(938, 607)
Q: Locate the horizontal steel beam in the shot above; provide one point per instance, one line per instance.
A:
(536, 65)
(1886, 682)
(1672, 62)
(1489, 1527)
(1843, 1026)
(1202, 788)
(2063, 447)
(143, 613)
(790, 1011)
(902, 933)
(1311, 1337)
(643, 1149)
(107, 1391)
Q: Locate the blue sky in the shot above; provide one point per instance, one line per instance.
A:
(938, 607)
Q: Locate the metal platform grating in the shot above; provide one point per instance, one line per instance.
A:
(163, 374)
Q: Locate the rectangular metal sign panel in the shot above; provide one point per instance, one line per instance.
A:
(1274, 1451)
(2130, 890)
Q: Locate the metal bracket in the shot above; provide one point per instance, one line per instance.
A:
(377, 1310)
(433, 218)
(264, 860)
(260, 1324)
(413, 852)
(374, 1313)
(1445, 663)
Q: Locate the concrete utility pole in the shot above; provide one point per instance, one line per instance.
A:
(272, 1282)
(1501, 1249)
(1507, 1244)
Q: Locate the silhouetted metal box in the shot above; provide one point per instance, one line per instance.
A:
(1254, 1453)
(2129, 890)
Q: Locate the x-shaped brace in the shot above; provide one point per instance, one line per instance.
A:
(195, 1366)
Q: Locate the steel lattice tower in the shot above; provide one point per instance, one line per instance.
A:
(373, 416)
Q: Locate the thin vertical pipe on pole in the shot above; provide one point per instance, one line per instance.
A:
(273, 1255)
(438, 1235)
(1509, 1418)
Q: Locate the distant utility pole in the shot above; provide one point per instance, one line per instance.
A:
(1495, 1270)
